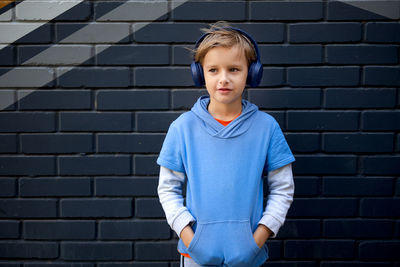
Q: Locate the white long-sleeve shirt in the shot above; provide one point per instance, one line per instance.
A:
(280, 197)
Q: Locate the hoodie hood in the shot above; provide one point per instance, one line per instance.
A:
(237, 127)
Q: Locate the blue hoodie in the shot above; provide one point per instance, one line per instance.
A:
(224, 166)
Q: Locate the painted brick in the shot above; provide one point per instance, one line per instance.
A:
(54, 230)
(337, 186)
(146, 165)
(382, 75)
(53, 100)
(380, 207)
(363, 10)
(55, 55)
(33, 11)
(30, 32)
(88, 121)
(273, 77)
(264, 32)
(155, 121)
(381, 165)
(7, 55)
(56, 143)
(134, 230)
(379, 250)
(324, 164)
(96, 251)
(133, 100)
(7, 187)
(324, 32)
(56, 264)
(148, 208)
(132, 54)
(358, 228)
(137, 264)
(323, 120)
(213, 11)
(130, 143)
(28, 250)
(323, 76)
(358, 54)
(181, 55)
(28, 208)
(113, 186)
(324, 207)
(381, 120)
(304, 228)
(185, 99)
(275, 249)
(166, 77)
(356, 142)
(285, 98)
(307, 186)
(156, 251)
(92, 33)
(9, 229)
(27, 165)
(158, 32)
(290, 54)
(131, 10)
(360, 98)
(303, 142)
(95, 165)
(94, 77)
(383, 32)
(96, 208)
(7, 99)
(286, 10)
(80, 12)
(317, 249)
(6, 15)
(8, 143)
(352, 263)
(27, 122)
(26, 77)
(53, 187)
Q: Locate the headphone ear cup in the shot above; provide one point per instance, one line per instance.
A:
(255, 74)
(197, 74)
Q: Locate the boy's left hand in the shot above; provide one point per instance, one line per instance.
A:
(261, 235)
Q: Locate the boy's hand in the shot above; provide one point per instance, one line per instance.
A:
(261, 235)
(187, 235)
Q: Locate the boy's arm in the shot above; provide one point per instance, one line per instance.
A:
(281, 187)
(170, 194)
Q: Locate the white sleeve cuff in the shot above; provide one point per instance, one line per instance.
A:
(272, 223)
(181, 221)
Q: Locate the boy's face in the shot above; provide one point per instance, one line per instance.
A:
(225, 73)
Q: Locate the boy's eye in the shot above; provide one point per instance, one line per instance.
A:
(234, 69)
(212, 70)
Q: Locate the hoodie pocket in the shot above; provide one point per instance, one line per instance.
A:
(204, 246)
(229, 243)
(241, 248)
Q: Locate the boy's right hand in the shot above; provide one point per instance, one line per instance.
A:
(187, 235)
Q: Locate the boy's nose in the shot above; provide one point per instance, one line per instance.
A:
(223, 78)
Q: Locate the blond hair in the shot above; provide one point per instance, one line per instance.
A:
(221, 34)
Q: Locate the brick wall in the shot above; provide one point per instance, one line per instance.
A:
(89, 88)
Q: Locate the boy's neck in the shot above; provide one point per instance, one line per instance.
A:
(224, 112)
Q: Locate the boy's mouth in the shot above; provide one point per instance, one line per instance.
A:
(224, 89)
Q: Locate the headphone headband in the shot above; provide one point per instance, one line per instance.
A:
(255, 69)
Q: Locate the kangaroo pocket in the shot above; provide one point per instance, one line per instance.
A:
(229, 243)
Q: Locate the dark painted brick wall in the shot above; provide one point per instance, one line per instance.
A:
(87, 97)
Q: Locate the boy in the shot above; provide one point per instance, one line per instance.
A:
(223, 146)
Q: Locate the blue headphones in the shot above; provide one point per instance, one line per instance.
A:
(255, 69)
